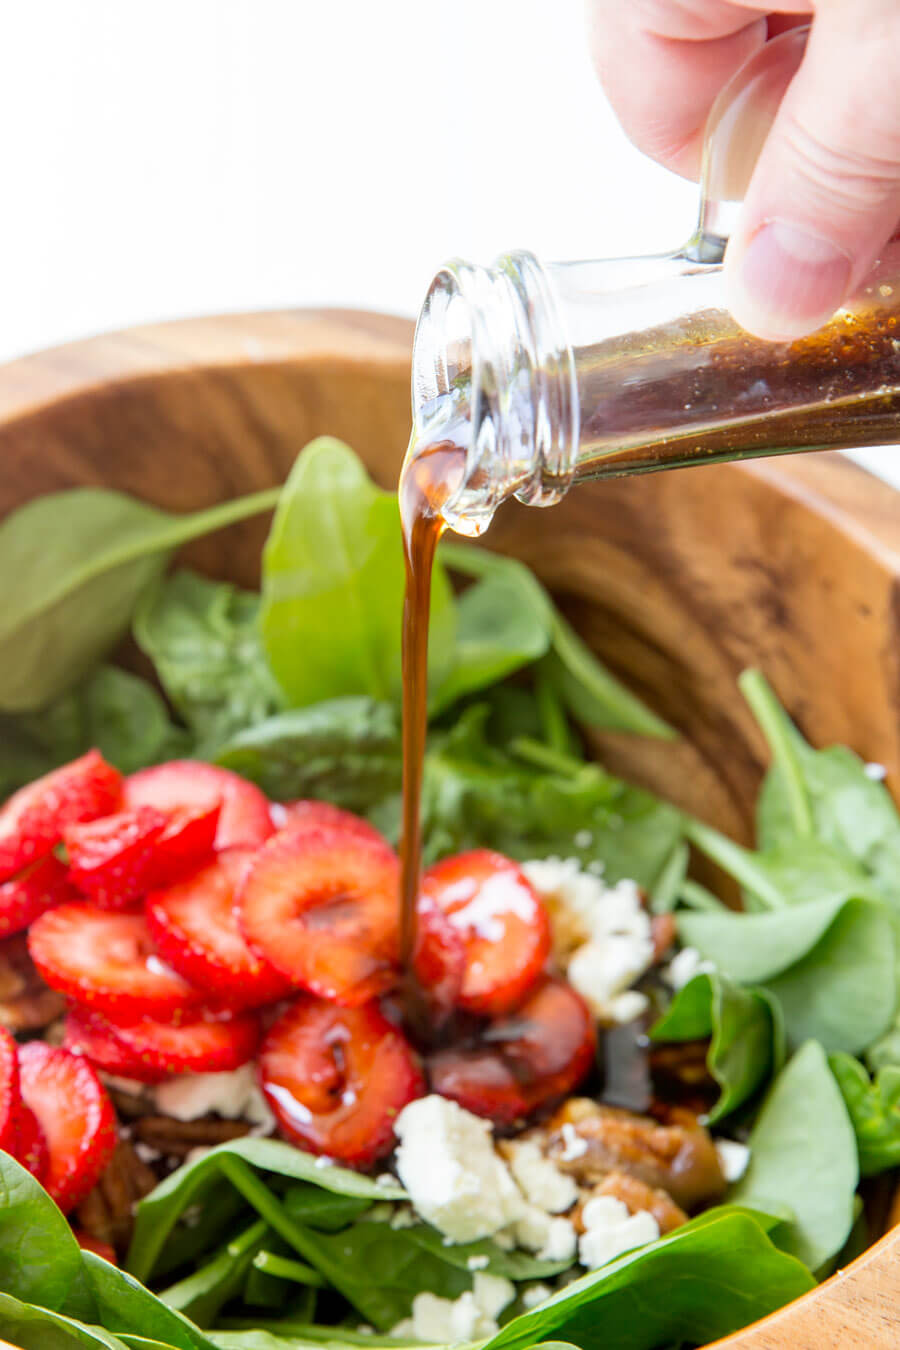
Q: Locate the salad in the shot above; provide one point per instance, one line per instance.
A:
(625, 1115)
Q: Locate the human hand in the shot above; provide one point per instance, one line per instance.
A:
(825, 195)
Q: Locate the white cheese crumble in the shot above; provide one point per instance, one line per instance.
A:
(552, 1238)
(610, 1231)
(478, 1262)
(235, 1096)
(574, 1146)
(454, 1178)
(734, 1158)
(487, 903)
(403, 1217)
(540, 1180)
(602, 935)
(470, 1317)
(684, 966)
(534, 1295)
(877, 772)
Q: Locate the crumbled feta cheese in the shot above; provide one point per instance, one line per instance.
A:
(539, 1179)
(574, 1146)
(603, 969)
(485, 904)
(323, 1160)
(610, 1231)
(234, 1095)
(403, 1217)
(734, 1158)
(147, 1153)
(583, 838)
(492, 1293)
(534, 1295)
(684, 966)
(365, 1330)
(386, 1180)
(552, 1238)
(382, 1212)
(454, 1178)
(627, 1007)
(450, 1321)
(877, 772)
(478, 1262)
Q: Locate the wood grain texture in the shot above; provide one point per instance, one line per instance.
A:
(678, 581)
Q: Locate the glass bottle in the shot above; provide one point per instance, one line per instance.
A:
(544, 375)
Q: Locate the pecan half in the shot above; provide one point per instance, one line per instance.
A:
(176, 1138)
(107, 1212)
(26, 1003)
(635, 1195)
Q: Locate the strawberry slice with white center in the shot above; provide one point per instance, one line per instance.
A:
(195, 927)
(312, 815)
(244, 821)
(502, 922)
(33, 820)
(322, 907)
(522, 1062)
(336, 1078)
(25, 897)
(111, 860)
(151, 1051)
(31, 1146)
(109, 961)
(10, 1099)
(75, 1115)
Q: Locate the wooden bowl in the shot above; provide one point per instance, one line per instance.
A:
(678, 580)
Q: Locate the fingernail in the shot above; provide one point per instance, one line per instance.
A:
(789, 281)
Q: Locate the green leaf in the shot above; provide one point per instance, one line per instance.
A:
(671, 879)
(35, 1328)
(201, 1294)
(705, 1280)
(345, 750)
(746, 1046)
(592, 695)
(874, 1109)
(40, 1261)
(333, 582)
(803, 1154)
(158, 1212)
(125, 1306)
(325, 1210)
(288, 1335)
(830, 963)
(81, 559)
(203, 638)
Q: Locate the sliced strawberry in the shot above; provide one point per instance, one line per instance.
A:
(322, 907)
(439, 960)
(32, 821)
(111, 860)
(10, 1097)
(195, 927)
(337, 1077)
(41, 886)
(312, 815)
(531, 1058)
(150, 1051)
(108, 961)
(31, 1146)
(503, 923)
(75, 1115)
(95, 1245)
(244, 821)
(187, 842)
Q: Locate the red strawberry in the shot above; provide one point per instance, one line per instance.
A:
(150, 1051)
(75, 1116)
(322, 906)
(187, 842)
(244, 821)
(95, 1245)
(503, 923)
(31, 1146)
(10, 1099)
(312, 815)
(108, 961)
(439, 960)
(32, 821)
(41, 886)
(111, 860)
(337, 1077)
(195, 927)
(535, 1056)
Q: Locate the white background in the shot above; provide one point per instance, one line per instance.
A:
(171, 157)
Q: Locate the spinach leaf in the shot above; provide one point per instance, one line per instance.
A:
(812, 1169)
(158, 1212)
(332, 586)
(705, 1280)
(592, 695)
(747, 1036)
(886, 1050)
(830, 963)
(325, 1210)
(81, 559)
(345, 750)
(874, 1109)
(126, 1306)
(203, 638)
(116, 712)
(35, 1328)
(289, 1335)
(40, 1261)
(201, 1294)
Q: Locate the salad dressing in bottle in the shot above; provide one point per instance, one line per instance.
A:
(528, 378)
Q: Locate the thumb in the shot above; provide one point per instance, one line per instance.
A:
(825, 195)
